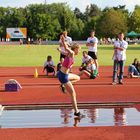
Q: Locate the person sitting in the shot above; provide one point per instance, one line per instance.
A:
(136, 64)
(133, 69)
(49, 66)
(85, 60)
(91, 70)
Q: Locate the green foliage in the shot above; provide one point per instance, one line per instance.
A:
(92, 11)
(79, 14)
(111, 23)
(90, 25)
(46, 21)
(40, 24)
(134, 22)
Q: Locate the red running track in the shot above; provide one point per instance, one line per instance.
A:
(44, 90)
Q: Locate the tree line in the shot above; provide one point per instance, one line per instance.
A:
(46, 21)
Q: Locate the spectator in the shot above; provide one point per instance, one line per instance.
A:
(68, 40)
(119, 58)
(133, 69)
(40, 41)
(136, 64)
(85, 60)
(90, 71)
(138, 67)
(49, 66)
(92, 42)
(20, 41)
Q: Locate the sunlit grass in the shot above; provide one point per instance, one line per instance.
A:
(35, 55)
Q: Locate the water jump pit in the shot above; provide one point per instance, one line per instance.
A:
(60, 115)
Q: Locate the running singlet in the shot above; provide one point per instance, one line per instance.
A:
(68, 61)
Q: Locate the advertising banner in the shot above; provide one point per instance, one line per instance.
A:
(13, 33)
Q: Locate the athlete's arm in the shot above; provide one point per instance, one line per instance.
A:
(66, 46)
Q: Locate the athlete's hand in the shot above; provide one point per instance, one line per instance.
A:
(62, 38)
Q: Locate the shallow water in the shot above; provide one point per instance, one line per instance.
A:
(46, 118)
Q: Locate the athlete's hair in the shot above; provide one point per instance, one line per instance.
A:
(65, 32)
(74, 46)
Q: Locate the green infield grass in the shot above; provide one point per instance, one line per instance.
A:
(35, 55)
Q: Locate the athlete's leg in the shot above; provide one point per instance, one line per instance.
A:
(70, 89)
(73, 77)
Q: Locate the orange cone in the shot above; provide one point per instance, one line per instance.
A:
(36, 73)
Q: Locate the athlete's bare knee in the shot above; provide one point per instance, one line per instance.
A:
(78, 77)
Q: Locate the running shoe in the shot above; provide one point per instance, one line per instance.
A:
(62, 88)
(79, 115)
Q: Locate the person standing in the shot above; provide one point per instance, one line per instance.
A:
(68, 40)
(119, 58)
(92, 42)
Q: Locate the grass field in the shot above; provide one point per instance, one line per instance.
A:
(36, 55)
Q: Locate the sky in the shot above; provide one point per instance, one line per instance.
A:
(81, 4)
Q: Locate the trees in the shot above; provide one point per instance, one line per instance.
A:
(79, 14)
(46, 21)
(10, 17)
(134, 20)
(111, 23)
(2, 15)
(41, 24)
(67, 19)
(91, 14)
(92, 11)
